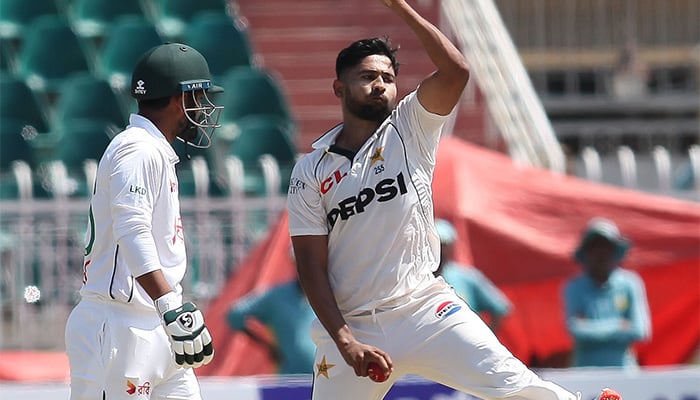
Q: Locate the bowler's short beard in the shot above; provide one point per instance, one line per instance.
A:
(375, 111)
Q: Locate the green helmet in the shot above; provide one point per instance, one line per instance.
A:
(169, 69)
(173, 68)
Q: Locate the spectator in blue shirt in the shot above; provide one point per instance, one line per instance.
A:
(606, 306)
(286, 311)
(467, 281)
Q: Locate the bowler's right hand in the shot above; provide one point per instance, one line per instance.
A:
(359, 355)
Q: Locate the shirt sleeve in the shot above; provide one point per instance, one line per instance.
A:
(640, 321)
(424, 127)
(570, 304)
(137, 172)
(307, 215)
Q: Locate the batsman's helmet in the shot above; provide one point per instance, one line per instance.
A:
(173, 68)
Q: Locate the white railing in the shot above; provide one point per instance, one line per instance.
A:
(501, 75)
(592, 164)
(658, 171)
(662, 161)
(42, 245)
(628, 166)
(694, 155)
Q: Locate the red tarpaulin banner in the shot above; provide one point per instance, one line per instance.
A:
(520, 226)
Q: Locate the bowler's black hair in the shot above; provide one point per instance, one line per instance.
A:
(357, 51)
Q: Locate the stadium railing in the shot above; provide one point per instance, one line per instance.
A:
(42, 245)
(510, 97)
(658, 171)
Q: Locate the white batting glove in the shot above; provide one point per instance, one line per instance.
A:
(189, 337)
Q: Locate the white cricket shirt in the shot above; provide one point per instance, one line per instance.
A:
(134, 225)
(376, 209)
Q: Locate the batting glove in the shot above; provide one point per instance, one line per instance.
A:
(189, 337)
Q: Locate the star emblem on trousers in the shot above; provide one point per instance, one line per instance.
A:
(323, 368)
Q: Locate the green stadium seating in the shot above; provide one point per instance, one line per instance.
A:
(253, 91)
(188, 181)
(9, 189)
(83, 139)
(184, 168)
(50, 53)
(7, 58)
(223, 41)
(85, 97)
(185, 180)
(73, 144)
(258, 136)
(19, 103)
(172, 16)
(15, 15)
(15, 138)
(93, 18)
(128, 39)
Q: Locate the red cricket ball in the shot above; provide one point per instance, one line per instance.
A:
(375, 372)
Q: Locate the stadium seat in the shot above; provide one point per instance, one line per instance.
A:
(129, 38)
(223, 41)
(18, 102)
(172, 16)
(9, 189)
(185, 180)
(84, 139)
(50, 52)
(85, 97)
(258, 136)
(15, 15)
(10, 186)
(185, 168)
(75, 143)
(15, 137)
(7, 58)
(252, 91)
(16, 140)
(93, 18)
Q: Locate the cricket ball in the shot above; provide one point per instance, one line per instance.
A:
(375, 372)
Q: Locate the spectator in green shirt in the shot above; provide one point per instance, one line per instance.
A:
(606, 306)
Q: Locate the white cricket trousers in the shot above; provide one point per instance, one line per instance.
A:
(119, 352)
(437, 336)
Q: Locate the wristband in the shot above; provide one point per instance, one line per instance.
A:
(167, 302)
